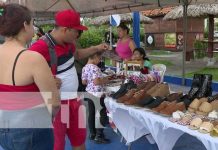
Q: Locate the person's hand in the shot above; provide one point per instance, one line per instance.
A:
(106, 80)
(102, 47)
(58, 82)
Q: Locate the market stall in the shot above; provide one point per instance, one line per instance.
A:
(142, 108)
(134, 122)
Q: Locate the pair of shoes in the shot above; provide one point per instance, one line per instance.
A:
(206, 86)
(163, 105)
(160, 89)
(196, 84)
(201, 86)
(174, 96)
(200, 107)
(148, 85)
(155, 102)
(195, 104)
(127, 96)
(172, 108)
(124, 89)
(136, 98)
(101, 140)
(92, 136)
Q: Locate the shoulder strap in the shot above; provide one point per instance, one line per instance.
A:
(52, 53)
(14, 65)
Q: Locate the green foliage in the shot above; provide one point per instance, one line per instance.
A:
(91, 37)
(46, 28)
(200, 49)
(142, 35)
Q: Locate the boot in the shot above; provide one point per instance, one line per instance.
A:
(209, 86)
(196, 84)
(205, 89)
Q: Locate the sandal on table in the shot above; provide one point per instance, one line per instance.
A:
(204, 109)
(195, 123)
(214, 132)
(206, 127)
(185, 120)
(176, 116)
(194, 105)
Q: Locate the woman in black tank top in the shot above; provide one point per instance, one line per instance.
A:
(21, 72)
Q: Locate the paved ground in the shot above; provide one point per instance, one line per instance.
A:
(176, 59)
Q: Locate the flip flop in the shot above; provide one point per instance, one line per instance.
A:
(195, 124)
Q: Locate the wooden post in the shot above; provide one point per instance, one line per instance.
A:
(210, 36)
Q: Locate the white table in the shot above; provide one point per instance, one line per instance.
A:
(134, 123)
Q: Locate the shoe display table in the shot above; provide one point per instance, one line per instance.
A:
(134, 122)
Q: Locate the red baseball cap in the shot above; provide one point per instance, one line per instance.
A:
(70, 19)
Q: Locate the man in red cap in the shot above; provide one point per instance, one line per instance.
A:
(59, 51)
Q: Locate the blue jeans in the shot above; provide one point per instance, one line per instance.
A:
(27, 139)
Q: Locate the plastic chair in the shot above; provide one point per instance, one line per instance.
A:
(161, 69)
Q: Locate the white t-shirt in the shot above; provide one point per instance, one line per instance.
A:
(69, 80)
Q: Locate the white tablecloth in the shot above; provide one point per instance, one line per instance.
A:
(134, 123)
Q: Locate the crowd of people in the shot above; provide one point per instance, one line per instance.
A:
(48, 65)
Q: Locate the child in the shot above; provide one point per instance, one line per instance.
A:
(140, 55)
(93, 78)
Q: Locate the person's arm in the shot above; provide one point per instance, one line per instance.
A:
(101, 81)
(83, 53)
(44, 79)
(84, 82)
(97, 76)
(132, 45)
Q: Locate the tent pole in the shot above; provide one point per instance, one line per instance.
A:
(111, 32)
(185, 7)
(136, 28)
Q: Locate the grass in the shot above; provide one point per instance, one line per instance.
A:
(165, 62)
(206, 70)
(162, 52)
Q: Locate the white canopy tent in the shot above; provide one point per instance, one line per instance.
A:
(91, 8)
